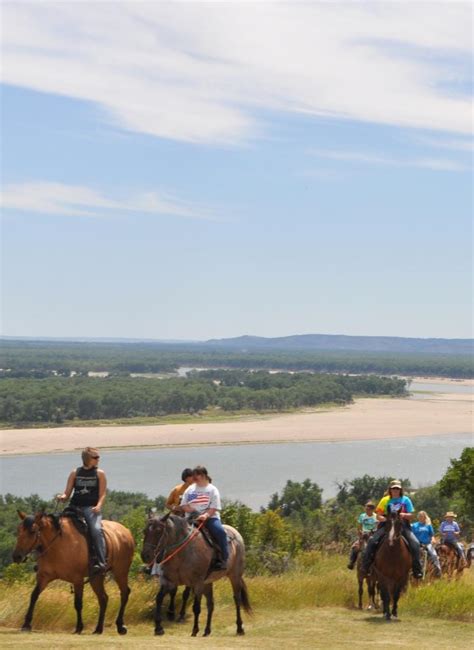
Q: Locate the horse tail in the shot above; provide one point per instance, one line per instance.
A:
(244, 597)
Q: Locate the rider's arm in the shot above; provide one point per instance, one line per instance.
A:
(102, 490)
(69, 487)
(171, 500)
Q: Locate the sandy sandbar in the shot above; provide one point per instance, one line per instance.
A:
(366, 419)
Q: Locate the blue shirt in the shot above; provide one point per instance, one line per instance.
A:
(447, 530)
(423, 532)
(387, 501)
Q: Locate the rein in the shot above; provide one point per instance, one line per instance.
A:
(178, 546)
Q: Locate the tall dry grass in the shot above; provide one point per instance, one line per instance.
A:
(317, 581)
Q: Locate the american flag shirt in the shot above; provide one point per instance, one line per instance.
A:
(202, 498)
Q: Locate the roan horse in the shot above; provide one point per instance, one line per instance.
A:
(185, 559)
(361, 575)
(392, 564)
(62, 554)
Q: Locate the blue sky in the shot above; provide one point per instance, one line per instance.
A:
(194, 170)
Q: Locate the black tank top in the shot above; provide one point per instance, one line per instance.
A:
(86, 487)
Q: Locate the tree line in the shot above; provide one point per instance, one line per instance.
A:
(39, 359)
(296, 520)
(59, 399)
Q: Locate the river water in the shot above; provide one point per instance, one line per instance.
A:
(248, 473)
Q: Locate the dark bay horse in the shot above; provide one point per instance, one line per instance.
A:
(369, 578)
(392, 564)
(190, 557)
(62, 554)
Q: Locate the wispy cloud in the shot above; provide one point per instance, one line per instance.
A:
(456, 144)
(207, 72)
(80, 201)
(436, 164)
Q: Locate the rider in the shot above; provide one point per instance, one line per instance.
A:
(450, 532)
(394, 497)
(177, 492)
(203, 497)
(89, 485)
(367, 523)
(423, 531)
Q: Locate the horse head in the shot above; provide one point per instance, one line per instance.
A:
(28, 535)
(394, 524)
(155, 536)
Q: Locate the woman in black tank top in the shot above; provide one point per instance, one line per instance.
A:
(88, 485)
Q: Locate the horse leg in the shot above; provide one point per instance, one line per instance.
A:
(209, 594)
(371, 592)
(396, 595)
(159, 602)
(361, 590)
(238, 587)
(78, 591)
(97, 584)
(122, 581)
(182, 611)
(386, 601)
(171, 607)
(196, 611)
(41, 583)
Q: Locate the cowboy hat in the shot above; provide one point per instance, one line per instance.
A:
(450, 514)
(395, 484)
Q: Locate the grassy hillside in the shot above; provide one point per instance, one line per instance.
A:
(310, 609)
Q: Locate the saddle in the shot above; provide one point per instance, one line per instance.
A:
(211, 541)
(77, 518)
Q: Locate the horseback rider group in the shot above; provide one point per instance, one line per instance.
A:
(196, 497)
(420, 533)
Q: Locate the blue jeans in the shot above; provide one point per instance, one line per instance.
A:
(215, 527)
(94, 521)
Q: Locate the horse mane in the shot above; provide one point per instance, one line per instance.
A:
(28, 522)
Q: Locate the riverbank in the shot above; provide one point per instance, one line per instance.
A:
(366, 419)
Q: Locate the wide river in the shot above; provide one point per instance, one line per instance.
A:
(249, 473)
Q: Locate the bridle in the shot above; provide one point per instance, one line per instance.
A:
(37, 545)
(161, 549)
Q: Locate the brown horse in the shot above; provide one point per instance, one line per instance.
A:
(369, 578)
(392, 565)
(190, 558)
(451, 564)
(62, 554)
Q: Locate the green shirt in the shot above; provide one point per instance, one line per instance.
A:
(368, 522)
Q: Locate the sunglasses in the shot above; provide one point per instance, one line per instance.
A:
(95, 457)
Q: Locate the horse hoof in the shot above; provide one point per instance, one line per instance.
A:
(26, 628)
(194, 633)
(159, 632)
(181, 619)
(207, 633)
(240, 632)
(170, 617)
(122, 630)
(78, 631)
(97, 631)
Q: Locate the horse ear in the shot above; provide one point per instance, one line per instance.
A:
(39, 516)
(21, 514)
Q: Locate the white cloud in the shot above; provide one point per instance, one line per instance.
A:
(80, 201)
(436, 164)
(205, 72)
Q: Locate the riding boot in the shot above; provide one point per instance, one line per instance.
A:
(414, 546)
(353, 558)
(371, 549)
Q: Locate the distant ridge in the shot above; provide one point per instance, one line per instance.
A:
(340, 342)
(294, 343)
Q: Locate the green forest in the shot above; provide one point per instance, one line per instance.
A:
(65, 399)
(43, 358)
(295, 521)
